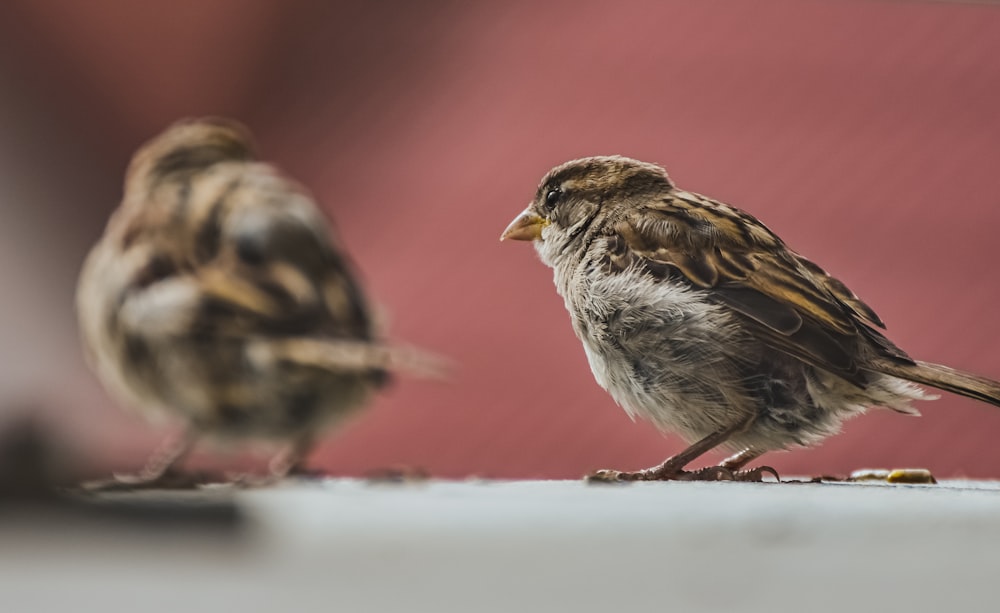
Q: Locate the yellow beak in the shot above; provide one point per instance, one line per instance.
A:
(526, 227)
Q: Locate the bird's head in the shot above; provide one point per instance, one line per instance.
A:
(584, 195)
(188, 146)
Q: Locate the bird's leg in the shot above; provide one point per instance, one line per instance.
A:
(673, 467)
(292, 463)
(741, 459)
(736, 462)
(165, 459)
(160, 470)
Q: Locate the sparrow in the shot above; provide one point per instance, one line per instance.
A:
(697, 317)
(220, 295)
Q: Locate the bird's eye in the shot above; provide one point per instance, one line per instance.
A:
(553, 196)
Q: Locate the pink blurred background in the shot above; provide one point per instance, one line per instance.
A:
(866, 133)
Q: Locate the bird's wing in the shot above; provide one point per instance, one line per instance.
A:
(787, 301)
(240, 251)
(275, 249)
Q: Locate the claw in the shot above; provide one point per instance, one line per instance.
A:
(756, 475)
(167, 480)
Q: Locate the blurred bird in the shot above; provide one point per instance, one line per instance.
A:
(697, 317)
(219, 295)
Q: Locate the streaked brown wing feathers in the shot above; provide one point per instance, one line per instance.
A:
(790, 303)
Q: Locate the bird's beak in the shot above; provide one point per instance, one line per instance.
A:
(526, 227)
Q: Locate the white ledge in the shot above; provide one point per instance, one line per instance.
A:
(348, 545)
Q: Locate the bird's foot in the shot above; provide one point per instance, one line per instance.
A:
(662, 473)
(166, 480)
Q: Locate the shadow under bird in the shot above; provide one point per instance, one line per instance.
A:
(219, 295)
(697, 317)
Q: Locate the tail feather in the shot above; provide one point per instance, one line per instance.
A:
(348, 356)
(947, 379)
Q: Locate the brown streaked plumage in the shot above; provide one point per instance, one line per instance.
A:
(219, 295)
(693, 314)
